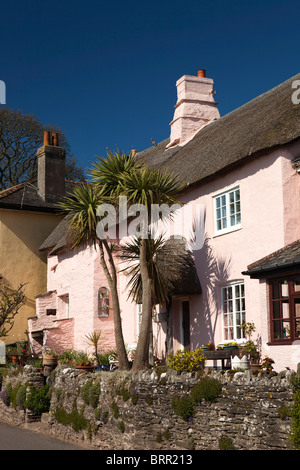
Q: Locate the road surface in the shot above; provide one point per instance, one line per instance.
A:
(14, 438)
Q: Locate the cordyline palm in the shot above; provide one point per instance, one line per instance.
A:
(81, 208)
(146, 186)
(156, 253)
(108, 172)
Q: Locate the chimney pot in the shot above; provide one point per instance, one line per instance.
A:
(55, 139)
(46, 138)
(201, 73)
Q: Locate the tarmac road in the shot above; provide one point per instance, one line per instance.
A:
(15, 438)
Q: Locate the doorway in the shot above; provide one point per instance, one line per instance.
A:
(185, 325)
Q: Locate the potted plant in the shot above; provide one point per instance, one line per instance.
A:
(49, 357)
(250, 348)
(266, 364)
(93, 339)
(83, 361)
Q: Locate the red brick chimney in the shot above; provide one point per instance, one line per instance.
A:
(51, 168)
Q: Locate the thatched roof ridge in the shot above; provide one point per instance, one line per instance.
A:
(268, 121)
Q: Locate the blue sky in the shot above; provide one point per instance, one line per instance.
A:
(105, 73)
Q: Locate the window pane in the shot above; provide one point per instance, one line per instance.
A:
(284, 289)
(297, 285)
(276, 309)
(275, 290)
(277, 329)
(233, 311)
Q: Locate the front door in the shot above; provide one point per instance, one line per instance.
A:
(185, 325)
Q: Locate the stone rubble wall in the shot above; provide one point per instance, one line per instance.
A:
(133, 411)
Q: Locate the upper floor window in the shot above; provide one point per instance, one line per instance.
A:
(233, 309)
(103, 302)
(227, 207)
(285, 309)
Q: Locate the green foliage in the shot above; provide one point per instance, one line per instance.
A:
(207, 389)
(5, 394)
(39, 400)
(122, 426)
(101, 415)
(94, 394)
(85, 391)
(21, 397)
(284, 412)
(187, 361)
(74, 419)
(123, 392)
(295, 415)
(225, 443)
(90, 392)
(13, 395)
(184, 406)
(134, 398)
(149, 400)
(115, 408)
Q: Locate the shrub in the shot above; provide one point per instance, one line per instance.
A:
(74, 419)
(21, 397)
(184, 406)
(115, 408)
(122, 426)
(38, 400)
(134, 398)
(225, 443)
(187, 361)
(295, 415)
(207, 389)
(94, 394)
(5, 396)
(284, 412)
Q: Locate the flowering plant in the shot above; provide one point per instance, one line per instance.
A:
(266, 364)
(187, 360)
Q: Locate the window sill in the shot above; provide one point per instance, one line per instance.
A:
(230, 230)
(282, 342)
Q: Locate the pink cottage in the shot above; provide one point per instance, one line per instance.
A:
(242, 170)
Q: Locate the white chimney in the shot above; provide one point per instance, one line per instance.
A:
(195, 107)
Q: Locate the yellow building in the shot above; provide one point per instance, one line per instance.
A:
(28, 214)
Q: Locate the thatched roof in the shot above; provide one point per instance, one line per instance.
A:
(266, 122)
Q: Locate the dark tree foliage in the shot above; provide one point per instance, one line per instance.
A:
(20, 137)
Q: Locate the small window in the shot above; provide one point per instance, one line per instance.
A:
(227, 208)
(233, 309)
(51, 311)
(103, 302)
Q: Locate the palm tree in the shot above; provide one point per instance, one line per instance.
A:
(147, 186)
(170, 264)
(81, 208)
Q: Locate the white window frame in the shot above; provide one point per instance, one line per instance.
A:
(226, 204)
(233, 314)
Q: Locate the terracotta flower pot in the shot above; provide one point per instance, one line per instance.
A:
(85, 368)
(49, 360)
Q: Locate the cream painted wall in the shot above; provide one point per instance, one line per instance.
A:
(21, 235)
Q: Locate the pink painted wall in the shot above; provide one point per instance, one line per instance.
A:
(270, 202)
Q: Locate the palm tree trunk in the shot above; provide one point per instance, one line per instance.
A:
(111, 277)
(141, 359)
